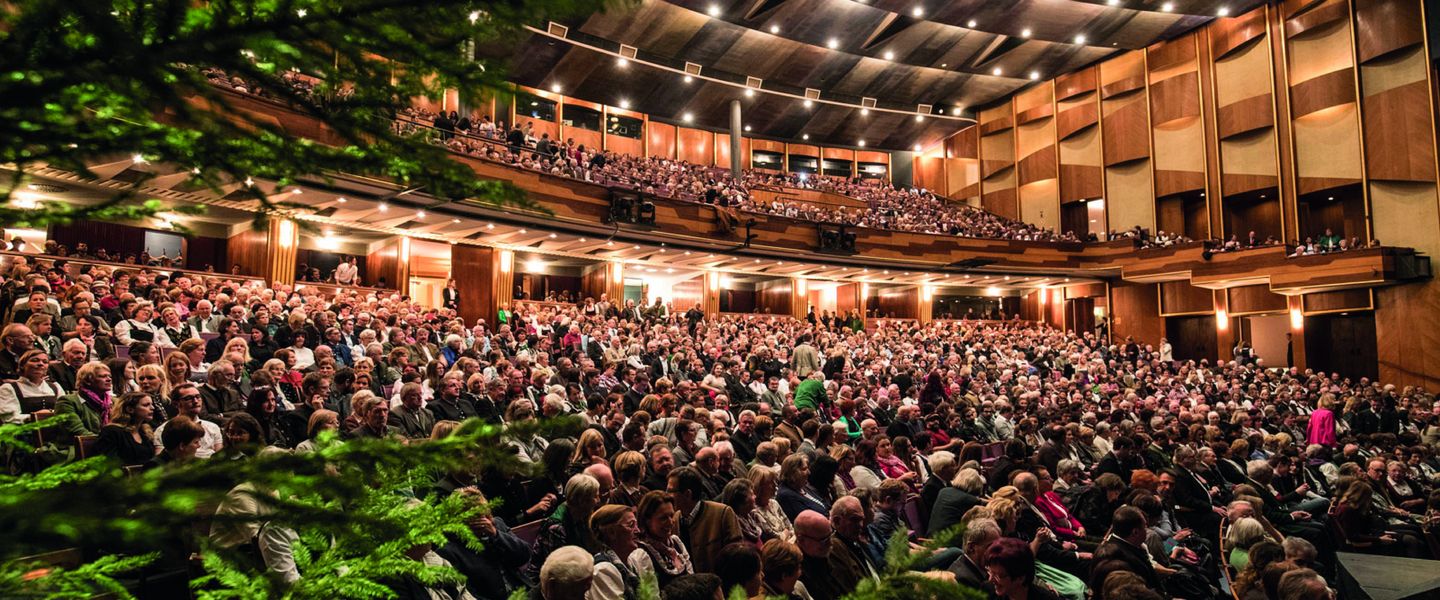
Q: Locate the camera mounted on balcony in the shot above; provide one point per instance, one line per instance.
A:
(836, 238)
(630, 208)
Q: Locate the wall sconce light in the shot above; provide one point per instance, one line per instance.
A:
(507, 261)
(1297, 319)
(1222, 319)
(617, 272)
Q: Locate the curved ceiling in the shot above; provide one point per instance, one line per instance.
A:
(955, 53)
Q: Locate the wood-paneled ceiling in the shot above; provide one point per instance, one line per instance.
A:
(946, 55)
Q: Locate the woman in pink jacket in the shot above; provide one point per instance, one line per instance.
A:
(1322, 423)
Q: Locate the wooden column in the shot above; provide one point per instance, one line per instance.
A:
(268, 252)
(1225, 326)
(925, 303)
(710, 294)
(799, 297)
(1296, 314)
(389, 260)
(848, 297)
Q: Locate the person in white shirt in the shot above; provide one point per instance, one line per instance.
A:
(1167, 352)
(188, 402)
(346, 271)
(140, 328)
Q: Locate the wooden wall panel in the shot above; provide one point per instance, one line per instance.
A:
(1407, 334)
(660, 140)
(1384, 26)
(1133, 312)
(1076, 82)
(1254, 299)
(1175, 98)
(874, 156)
(1230, 34)
(1126, 129)
(1081, 176)
(1244, 116)
(1123, 74)
(1324, 91)
(1398, 146)
(1344, 300)
(584, 137)
(1327, 148)
(1181, 298)
(1038, 166)
(1001, 202)
(1179, 156)
(473, 268)
(997, 153)
(695, 146)
(624, 145)
(1076, 116)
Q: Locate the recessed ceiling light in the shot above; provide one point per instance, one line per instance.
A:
(1223, 11)
(383, 207)
(622, 62)
(138, 159)
(919, 118)
(918, 11)
(419, 214)
(808, 103)
(714, 10)
(454, 220)
(957, 111)
(889, 55)
(1025, 33)
(1113, 2)
(996, 71)
(943, 65)
(971, 23)
(833, 43)
(341, 200)
(1080, 39)
(624, 103)
(490, 226)
(861, 143)
(688, 117)
(918, 148)
(864, 112)
(1168, 6)
(555, 88)
(1034, 75)
(747, 128)
(804, 136)
(749, 93)
(775, 29)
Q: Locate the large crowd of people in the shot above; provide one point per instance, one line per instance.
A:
(769, 453)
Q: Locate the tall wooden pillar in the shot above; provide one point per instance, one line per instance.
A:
(710, 294)
(270, 252)
(848, 297)
(799, 297)
(925, 303)
(389, 260)
(1225, 326)
(1295, 306)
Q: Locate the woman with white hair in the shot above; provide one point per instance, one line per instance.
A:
(570, 523)
(1242, 534)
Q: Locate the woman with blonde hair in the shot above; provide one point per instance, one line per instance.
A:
(128, 436)
(589, 450)
(629, 470)
(152, 380)
(773, 524)
(91, 400)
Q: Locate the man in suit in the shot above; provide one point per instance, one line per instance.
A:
(1121, 460)
(221, 399)
(80, 309)
(1126, 543)
(1194, 497)
(413, 420)
(804, 358)
(1050, 452)
(72, 357)
(969, 569)
(705, 526)
(823, 573)
(492, 572)
(204, 319)
(853, 549)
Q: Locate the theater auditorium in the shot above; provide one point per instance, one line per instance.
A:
(700, 299)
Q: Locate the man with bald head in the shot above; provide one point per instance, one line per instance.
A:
(853, 544)
(823, 577)
(602, 474)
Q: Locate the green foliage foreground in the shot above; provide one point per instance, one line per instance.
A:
(358, 507)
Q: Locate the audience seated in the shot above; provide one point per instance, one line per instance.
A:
(773, 454)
